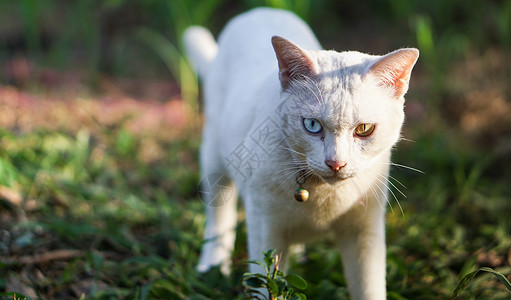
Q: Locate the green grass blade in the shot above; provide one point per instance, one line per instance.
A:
(175, 62)
(501, 277)
(163, 47)
(470, 276)
(463, 283)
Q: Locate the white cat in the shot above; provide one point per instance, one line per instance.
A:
(291, 116)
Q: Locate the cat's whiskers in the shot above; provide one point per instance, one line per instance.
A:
(392, 184)
(388, 179)
(291, 168)
(292, 150)
(293, 162)
(397, 181)
(405, 167)
(402, 138)
(382, 193)
(385, 182)
(288, 170)
(291, 177)
(298, 164)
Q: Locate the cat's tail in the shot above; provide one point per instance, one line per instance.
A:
(201, 48)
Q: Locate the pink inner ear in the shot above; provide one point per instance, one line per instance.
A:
(394, 69)
(293, 62)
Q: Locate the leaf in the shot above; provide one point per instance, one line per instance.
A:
(463, 283)
(253, 282)
(268, 257)
(501, 277)
(254, 291)
(468, 278)
(282, 284)
(299, 296)
(260, 264)
(296, 281)
(273, 288)
(258, 275)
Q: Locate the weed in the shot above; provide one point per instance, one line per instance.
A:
(278, 285)
(465, 281)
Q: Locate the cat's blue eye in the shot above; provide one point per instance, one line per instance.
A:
(312, 125)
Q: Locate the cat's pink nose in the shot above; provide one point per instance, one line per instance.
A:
(336, 165)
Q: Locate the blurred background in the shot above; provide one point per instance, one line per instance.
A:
(100, 122)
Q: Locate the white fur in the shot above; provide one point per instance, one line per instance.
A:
(243, 94)
(200, 47)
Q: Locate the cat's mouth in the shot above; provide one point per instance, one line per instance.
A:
(320, 175)
(334, 178)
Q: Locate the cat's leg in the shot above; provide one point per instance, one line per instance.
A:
(263, 234)
(362, 245)
(221, 221)
(219, 195)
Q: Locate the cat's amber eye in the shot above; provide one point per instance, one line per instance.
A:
(364, 130)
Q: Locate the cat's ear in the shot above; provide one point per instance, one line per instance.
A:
(294, 64)
(394, 69)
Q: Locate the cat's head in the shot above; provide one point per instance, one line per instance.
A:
(341, 111)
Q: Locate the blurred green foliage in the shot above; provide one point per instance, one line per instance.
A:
(99, 34)
(140, 223)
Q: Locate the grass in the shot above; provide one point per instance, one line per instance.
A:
(90, 212)
(101, 198)
(97, 204)
(275, 282)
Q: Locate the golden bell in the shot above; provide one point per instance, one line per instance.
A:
(301, 195)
